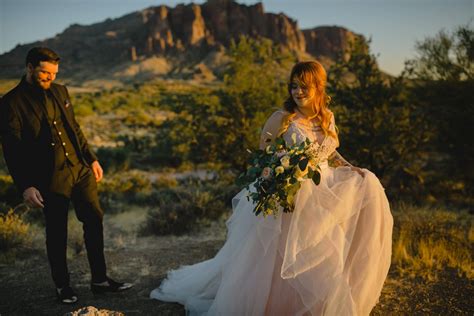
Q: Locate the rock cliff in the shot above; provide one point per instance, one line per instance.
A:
(159, 41)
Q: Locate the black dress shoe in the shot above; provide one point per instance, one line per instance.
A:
(66, 295)
(109, 286)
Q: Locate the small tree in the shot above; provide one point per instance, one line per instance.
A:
(254, 87)
(379, 127)
(219, 125)
(444, 57)
(442, 86)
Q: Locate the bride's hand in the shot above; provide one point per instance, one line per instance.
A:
(358, 170)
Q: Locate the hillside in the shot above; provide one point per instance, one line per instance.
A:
(184, 42)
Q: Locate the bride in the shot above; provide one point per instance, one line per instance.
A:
(330, 256)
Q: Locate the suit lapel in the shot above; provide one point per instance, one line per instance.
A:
(59, 101)
(35, 105)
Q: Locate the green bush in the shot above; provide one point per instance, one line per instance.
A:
(175, 218)
(14, 231)
(8, 192)
(413, 131)
(380, 129)
(189, 206)
(441, 85)
(164, 181)
(114, 159)
(123, 187)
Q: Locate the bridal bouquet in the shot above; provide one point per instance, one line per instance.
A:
(276, 174)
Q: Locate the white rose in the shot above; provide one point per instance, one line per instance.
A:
(280, 153)
(285, 161)
(266, 173)
(279, 170)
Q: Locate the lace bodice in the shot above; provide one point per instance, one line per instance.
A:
(302, 128)
(302, 131)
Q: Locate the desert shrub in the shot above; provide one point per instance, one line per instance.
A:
(428, 240)
(134, 187)
(124, 187)
(175, 218)
(30, 215)
(141, 117)
(138, 142)
(189, 206)
(13, 231)
(163, 196)
(164, 181)
(127, 183)
(83, 110)
(114, 159)
(134, 97)
(8, 192)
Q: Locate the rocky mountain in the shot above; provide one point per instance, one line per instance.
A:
(187, 41)
(329, 41)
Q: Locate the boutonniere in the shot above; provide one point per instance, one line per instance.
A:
(67, 103)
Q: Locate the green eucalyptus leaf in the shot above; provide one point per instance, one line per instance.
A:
(316, 178)
(294, 160)
(302, 164)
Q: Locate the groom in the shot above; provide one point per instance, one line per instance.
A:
(51, 164)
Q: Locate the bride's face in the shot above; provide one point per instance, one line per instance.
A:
(302, 94)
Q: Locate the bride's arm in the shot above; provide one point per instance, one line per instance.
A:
(336, 160)
(271, 128)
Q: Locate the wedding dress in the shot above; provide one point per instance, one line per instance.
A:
(329, 257)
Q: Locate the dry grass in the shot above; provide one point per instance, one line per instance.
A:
(7, 84)
(410, 288)
(429, 240)
(13, 231)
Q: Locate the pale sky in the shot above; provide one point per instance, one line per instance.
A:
(394, 26)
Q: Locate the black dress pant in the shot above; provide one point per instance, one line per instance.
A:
(79, 186)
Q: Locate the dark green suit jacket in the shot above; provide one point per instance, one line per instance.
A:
(26, 135)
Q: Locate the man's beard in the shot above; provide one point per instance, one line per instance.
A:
(42, 84)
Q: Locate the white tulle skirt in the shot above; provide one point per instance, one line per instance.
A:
(329, 257)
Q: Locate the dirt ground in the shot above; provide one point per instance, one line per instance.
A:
(27, 289)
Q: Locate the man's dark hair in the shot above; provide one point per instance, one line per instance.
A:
(39, 54)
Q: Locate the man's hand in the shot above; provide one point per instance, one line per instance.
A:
(98, 172)
(33, 198)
